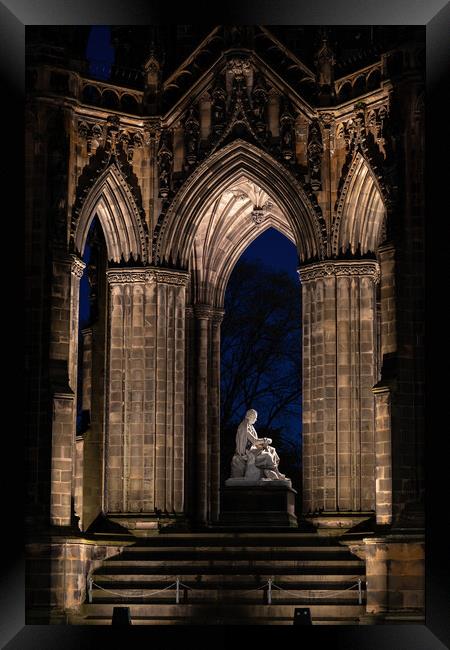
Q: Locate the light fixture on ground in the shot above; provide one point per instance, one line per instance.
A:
(121, 616)
(302, 616)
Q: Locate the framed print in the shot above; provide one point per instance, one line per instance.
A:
(228, 236)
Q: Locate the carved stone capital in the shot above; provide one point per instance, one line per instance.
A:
(77, 266)
(152, 130)
(127, 276)
(326, 119)
(217, 316)
(170, 276)
(156, 275)
(203, 312)
(340, 268)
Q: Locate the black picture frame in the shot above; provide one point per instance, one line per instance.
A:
(435, 15)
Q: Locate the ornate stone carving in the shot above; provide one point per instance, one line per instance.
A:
(191, 136)
(218, 108)
(315, 152)
(152, 130)
(260, 99)
(325, 64)
(217, 316)
(340, 268)
(157, 275)
(259, 214)
(287, 132)
(77, 266)
(83, 129)
(112, 134)
(203, 311)
(166, 276)
(239, 67)
(165, 165)
(309, 201)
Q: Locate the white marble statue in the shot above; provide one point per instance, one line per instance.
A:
(254, 460)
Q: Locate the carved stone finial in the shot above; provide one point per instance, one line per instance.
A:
(325, 63)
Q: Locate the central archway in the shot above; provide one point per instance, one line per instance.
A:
(238, 162)
(225, 205)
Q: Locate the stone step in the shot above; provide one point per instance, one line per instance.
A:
(325, 581)
(318, 569)
(225, 614)
(230, 557)
(171, 562)
(211, 621)
(163, 541)
(143, 551)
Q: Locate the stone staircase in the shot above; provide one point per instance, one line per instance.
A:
(224, 580)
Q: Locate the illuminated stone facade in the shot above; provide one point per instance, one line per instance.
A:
(183, 172)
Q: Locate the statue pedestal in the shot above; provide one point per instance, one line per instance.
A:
(256, 503)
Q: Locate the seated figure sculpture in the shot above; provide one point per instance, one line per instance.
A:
(254, 459)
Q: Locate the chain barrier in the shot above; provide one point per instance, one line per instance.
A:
(124, 595)
(329, 595)
(269, 584)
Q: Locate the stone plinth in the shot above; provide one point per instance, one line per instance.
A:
(263, 504)
(337, 523)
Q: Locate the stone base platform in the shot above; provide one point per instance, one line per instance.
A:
(266, 504)
(338, 523)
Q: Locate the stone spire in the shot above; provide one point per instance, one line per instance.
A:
(325, 61)
(152, 82)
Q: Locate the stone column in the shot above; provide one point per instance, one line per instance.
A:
(190, 392)
(203, 315)
(145, 392)
(214, 406)
(67, 271)
(386, 255)
(87, 369)
(339, 371)
(383, 454)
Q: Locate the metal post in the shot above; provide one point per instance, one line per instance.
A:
(359, 592)
(269, 592)
(90, 581)
(177, 598)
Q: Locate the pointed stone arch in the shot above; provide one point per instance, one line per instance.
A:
(225, 231)
(112, 200)
(175, 235)
(360, 210)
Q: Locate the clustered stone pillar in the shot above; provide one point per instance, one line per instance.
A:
(207, 430)
(145, 444)
(214, 402)
(67, 271)
(339, 371)
(383, 452)
(202, 315)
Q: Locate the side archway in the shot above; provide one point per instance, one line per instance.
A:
(112, 201)
(361, 211)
